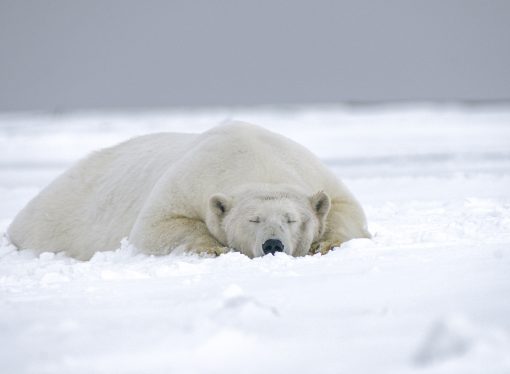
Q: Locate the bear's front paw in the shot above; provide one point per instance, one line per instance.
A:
(214, 251)
(323, 247)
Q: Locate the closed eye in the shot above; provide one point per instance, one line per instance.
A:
(255, 220)
(291, 221)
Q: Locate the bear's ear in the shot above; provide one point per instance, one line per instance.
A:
(321, 204)
(220, 204)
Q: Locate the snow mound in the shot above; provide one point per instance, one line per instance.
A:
(456, 342)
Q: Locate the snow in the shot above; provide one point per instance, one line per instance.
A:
(429, 294)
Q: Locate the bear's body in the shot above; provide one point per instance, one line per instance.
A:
(171, 190)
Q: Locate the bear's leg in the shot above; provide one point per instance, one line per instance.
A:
(163, 236)
(323, 247)
(345, 221)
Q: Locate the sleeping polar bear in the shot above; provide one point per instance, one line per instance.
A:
(236, 186)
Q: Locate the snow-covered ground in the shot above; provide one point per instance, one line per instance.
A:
(429, 294)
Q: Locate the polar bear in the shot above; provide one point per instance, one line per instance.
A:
(235, 187)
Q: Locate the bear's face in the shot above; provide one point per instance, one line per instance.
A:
(257, 224)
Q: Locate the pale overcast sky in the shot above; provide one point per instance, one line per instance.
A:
(61, 54)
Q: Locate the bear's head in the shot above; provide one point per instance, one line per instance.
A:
(258, 223)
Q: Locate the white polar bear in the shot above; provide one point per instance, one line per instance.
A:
(235, 186)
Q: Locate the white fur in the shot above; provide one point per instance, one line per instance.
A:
(197, 191)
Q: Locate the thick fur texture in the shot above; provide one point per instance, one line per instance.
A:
(235, 186)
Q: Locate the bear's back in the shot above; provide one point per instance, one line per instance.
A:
(239, 154)
(248, 153)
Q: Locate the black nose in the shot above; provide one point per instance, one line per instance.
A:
(272, 246)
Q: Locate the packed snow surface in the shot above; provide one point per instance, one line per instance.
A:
(429, 294)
